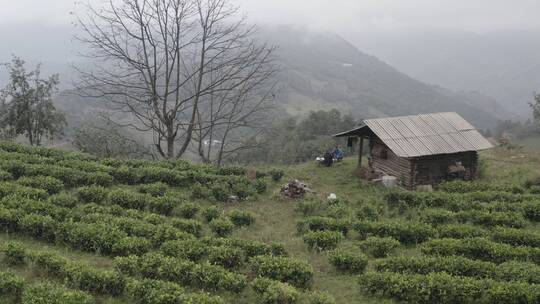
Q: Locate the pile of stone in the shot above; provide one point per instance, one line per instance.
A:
(295, 189)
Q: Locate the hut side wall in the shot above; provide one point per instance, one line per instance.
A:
(385, 161)
(431, 170)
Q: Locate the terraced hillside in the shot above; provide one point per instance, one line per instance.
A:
(76, 229)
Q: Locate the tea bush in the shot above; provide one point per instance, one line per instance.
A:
(241, 218)
(230, 258)
(379, 247)
(188, 225)
(11, 285)
(193, 250)
(63, 199)
(52, 293)
(221, 226)
(275, 292)
(50, 184)
(148, 291)
(128, 199)
(318, 223)
(210, 213)
(348, 261)
(516, 237)
(131, 246)
(14, 254)
(155, 189)
(322, 240)
(287, 270)
(532, 211)
(407, 232)
(187, 210)
(92, 194)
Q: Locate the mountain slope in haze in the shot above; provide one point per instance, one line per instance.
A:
(322, 70)
(502, 64)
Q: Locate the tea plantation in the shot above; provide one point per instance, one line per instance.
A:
(77, 229)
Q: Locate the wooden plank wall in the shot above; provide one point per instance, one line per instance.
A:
(392, 165)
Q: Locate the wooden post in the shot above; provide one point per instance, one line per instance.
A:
(360, 149)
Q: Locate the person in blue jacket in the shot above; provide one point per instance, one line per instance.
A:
(338, 154)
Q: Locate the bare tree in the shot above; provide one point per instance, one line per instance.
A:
(154, 60)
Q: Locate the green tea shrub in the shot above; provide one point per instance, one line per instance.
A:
(319, 297)
(11, 285)
(97, 178)
(92, 237)
(348, 261)
(50, 184)
(131, 246)
(532, 211)
(199, 191)
(518, 271)
(241, 218)
(166, 232)
(188, 225)
(126, 175)
(437, 217)
(52, 293)
(14, 253)
(39, 226)
(128, 199)
(492, 219)
(230, 258)
(155, 189)
(163, 205)
(5, 175)
(238, 171)
(318, 223)
(516, 237)
(210, 213)
(322, 240)
(295, 272)
(367, 212)
(379, 247)
(275, 292)
(260, 186)
(221, 227)
(460, 231)
(149, 291)
(193, 250)
(63, 199)
(407, 232)
(92, 194)
(187, 210)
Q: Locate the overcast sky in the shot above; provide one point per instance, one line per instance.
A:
(337, 15)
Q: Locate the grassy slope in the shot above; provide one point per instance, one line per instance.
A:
(276, 219)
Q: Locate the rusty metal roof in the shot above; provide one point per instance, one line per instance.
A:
(425, 134)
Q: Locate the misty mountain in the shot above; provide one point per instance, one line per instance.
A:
(319, 70)
(323, 70)
(504, 64)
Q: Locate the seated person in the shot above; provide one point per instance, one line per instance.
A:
(328, 159)
(338, 154)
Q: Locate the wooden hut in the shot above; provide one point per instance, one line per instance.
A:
(420, 149)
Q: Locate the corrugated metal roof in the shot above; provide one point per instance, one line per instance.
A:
(425, 134)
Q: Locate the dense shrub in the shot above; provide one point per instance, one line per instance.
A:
(481, 249)
(532, 211)
(192, 250)
(407, 232)
(221, 191)
(460, 231)
(517, 237)
(52, 293)
(347, 261)
(221, 226)
(199, 191)
(11, 285)
(241, 217)
(131, 246)
(126, 175)
(239, 171)
(275, 292)
(319, 297)
(437, 217)
(95, 237)
(287, 270)
(492, 219)
(187, 210)
(148, 291)
(276, 174)
(14, 253)
(322, 240)
(230, 258)
(188, 225)
(163, 205)
(63, 200)
(210, 213)
(92, 194)
(318, 223)
(39, 226)
(379, 246)
(5, 175)
(50, 184)
(128, 199)
(155, 189)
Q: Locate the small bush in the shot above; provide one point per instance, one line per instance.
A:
(241, 218)
(131, 246)
(5, 175)
(276, 174)
(187, 210)
(155, 189)
(532, 211)
(322, 240)
(379, 247)
(231, 258)
(14, 254)
(63, 200)
(188, 225)
(51, 293)
(287, 270)
(199, 191)
(222, 227)
(92, 194)
(352, 262)
(163, 204)
(11, 285)
(128, 199)
(50, 184)
(221, 192)
(273, 292)
(211, 213)
(319, 297)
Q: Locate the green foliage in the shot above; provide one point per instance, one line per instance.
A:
(275, 292)
(63, 200)
(149, 291)
(287, 270)
(199, 191)
(188, 225)
(11, 285)
(230, 258)
(348, 261)
(52, 293)
(128, 199)
(14, 253)
(407, 232)
(187, 210)
(241, 218)
(318, 223)
(92, 194)
(131, 246)
(532, 211)
(276, 174)
(379, 247)
(50, 184)
(221, 192)
(322, 240)
(5, 175)
(221, 226)
(516, 237)
(155, 189)
(211, 213)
